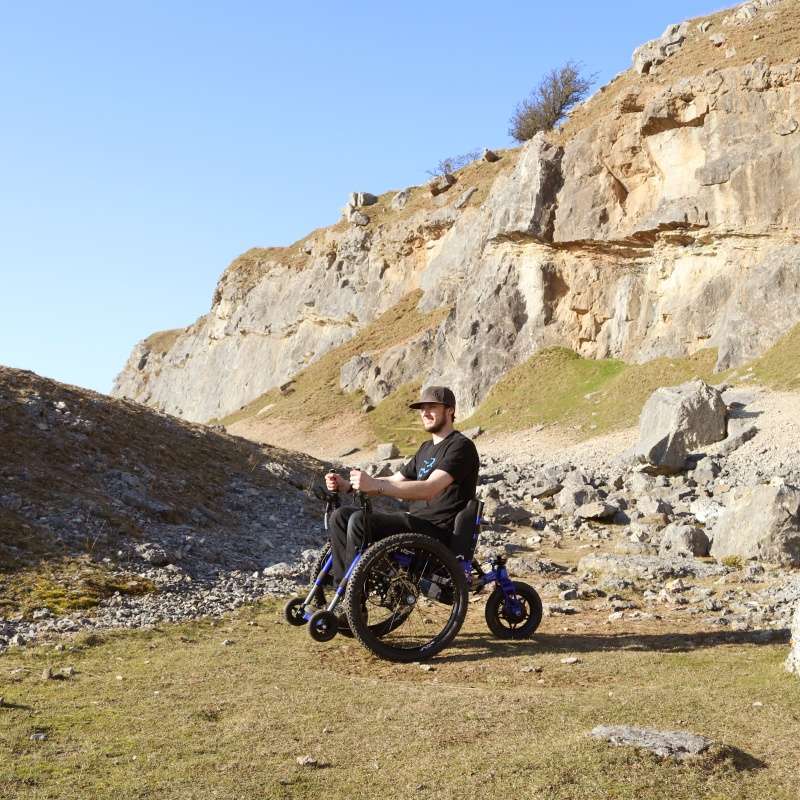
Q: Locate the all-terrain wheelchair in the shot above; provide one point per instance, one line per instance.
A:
(405, 596)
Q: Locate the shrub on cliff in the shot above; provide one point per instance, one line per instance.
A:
(449, 165)
(558, 92)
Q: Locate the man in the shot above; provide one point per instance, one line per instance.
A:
(438, 482)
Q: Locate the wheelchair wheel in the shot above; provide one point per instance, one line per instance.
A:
(294, 610)
(502, 620)
(323, 626)
(407, 597)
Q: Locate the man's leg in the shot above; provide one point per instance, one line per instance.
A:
(337, 529)
(385, 524)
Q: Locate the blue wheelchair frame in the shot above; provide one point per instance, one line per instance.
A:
(477, 578)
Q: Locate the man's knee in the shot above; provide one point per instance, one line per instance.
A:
(355, 526)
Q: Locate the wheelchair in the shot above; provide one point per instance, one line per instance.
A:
(405, 596)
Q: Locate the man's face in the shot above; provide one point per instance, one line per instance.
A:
(434, 417)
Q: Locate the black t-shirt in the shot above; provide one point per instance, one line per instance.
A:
(457, 456)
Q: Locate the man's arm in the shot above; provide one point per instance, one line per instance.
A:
(401, 488)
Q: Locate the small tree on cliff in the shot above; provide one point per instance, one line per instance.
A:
(558, 92)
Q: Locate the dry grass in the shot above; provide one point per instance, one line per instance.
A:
(778, 42)
(162, 341)
(190, 718)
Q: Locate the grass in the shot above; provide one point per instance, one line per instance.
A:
(589, 396)
(779, 367)
(315, 397)
(173, 713)
(64, 585)
(161, 341)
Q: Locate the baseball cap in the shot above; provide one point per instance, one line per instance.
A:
(435, 394)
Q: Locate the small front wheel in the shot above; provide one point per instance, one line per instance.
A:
(516, 618)
(294, 611)
(323, 625)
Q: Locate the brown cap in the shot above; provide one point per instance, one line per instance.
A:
(435, 394)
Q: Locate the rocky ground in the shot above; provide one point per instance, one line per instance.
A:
(595, 534)
(112, 515)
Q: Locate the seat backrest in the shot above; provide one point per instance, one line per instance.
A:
(466, 529)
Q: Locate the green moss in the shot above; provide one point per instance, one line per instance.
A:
(64, 586)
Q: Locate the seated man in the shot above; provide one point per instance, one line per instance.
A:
(439, 481)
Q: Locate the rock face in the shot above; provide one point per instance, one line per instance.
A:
(793, 662)
(676, 420)
(760, 522)
(666, 225)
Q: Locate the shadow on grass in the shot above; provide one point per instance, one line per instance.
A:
(478, 646)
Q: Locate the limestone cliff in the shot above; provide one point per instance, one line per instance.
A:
(662, 219)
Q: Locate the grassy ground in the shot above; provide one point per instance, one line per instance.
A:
(779, 367)
(174, 713)
(585, 395)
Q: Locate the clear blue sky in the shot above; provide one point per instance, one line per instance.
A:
(146, 144)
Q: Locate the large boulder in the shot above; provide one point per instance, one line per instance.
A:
(793, 662)
(676, 420)
(760, 522)
(655, 52)
(680, 539)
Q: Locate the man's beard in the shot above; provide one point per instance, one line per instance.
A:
(435, 427)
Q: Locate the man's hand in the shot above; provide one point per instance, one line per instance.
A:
(361, 482)
(336, 483)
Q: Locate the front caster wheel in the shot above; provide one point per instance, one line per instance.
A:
(323, 625)
(515, 618)
(294, 610)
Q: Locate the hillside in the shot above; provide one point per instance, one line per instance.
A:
(101, 496)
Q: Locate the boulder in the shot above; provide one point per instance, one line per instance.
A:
(596, 510)
(793, 662)
(357, 217)
(706, 510)
(400, 199)
(358, 199)
(666, 744)
(490, 155)
(680, 539)
(760, 522)
(649, 506)
(706, 470)
(540, 492)
(386, 451)
(676, 420)
(441, 183)
(572, 496)
(656, 51)
(735, 442)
